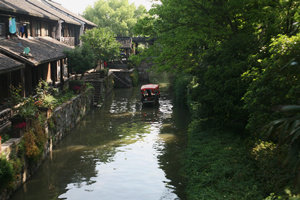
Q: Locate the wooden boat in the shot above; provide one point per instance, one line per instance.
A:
(150, 94)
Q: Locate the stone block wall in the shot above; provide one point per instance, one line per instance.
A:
(122, 78)
(63, 119)
(66, 116)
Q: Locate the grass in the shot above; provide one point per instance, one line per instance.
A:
(220, 165)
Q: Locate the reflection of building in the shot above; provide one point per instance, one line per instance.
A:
(45, 29)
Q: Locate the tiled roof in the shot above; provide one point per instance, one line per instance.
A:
(8, 64)
(24, 7)
(60, 7)
(43, 50)
(54, 12)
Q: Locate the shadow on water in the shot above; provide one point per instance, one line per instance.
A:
(119, 151)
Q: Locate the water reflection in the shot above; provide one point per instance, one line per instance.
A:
(120, 151)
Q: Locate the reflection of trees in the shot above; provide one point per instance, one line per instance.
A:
(92, 144)
(169, 161)
(170, 158)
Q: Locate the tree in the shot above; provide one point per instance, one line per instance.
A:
(216, 42)
(103, 43)
(145, 26)
(81, 59)
(243, 56)
(211, 41)
(116, 15)
(286, 130)
(275, 83)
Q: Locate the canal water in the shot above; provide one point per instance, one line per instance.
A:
(120, 151)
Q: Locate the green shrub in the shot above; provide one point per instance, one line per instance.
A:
(5, 137)
(7, 173)
(180, 88)
(50, 101)
(77, 86)
(275, 83)
(135, 60)
(89, 85)
(270, 169)
(81, 59)
(217, 93)
(218, 166)
(134, 77)
(34, 142)
(223, 165)
(65, 97)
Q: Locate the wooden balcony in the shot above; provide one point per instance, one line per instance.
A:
(68, 41)
(4, 118)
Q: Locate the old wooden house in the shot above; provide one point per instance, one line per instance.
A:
(33, 36)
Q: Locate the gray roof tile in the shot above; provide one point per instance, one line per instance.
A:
(43, 50)
(60, 7)
(24, 7)
(8, 64)
(54, 12)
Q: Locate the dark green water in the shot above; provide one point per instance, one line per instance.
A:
(121, 151)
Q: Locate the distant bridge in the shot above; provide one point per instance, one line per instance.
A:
(143, 40)
(126, 43)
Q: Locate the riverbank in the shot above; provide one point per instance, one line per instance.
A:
(21, 157)
(222, 165)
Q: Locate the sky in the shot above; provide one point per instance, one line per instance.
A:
(78, 6)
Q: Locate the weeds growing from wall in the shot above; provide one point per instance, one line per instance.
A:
(7, 173)
(134, 77)
(34, 142)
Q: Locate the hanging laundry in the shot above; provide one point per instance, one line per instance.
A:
(12, 25)
(22, 31)
(25, 30)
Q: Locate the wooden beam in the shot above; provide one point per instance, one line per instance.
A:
(53, 72)
(61, 63)
(22, 82)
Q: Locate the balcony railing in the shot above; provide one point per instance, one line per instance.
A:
(68, 40)
(4, 118)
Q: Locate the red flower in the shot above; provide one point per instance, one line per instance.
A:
(76, 87)
(21, 125)
(38, 103)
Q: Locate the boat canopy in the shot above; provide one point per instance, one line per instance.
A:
(150, 87)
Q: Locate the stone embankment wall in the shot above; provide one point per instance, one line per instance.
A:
(122, 78)
(63, 119)
(66, 116)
